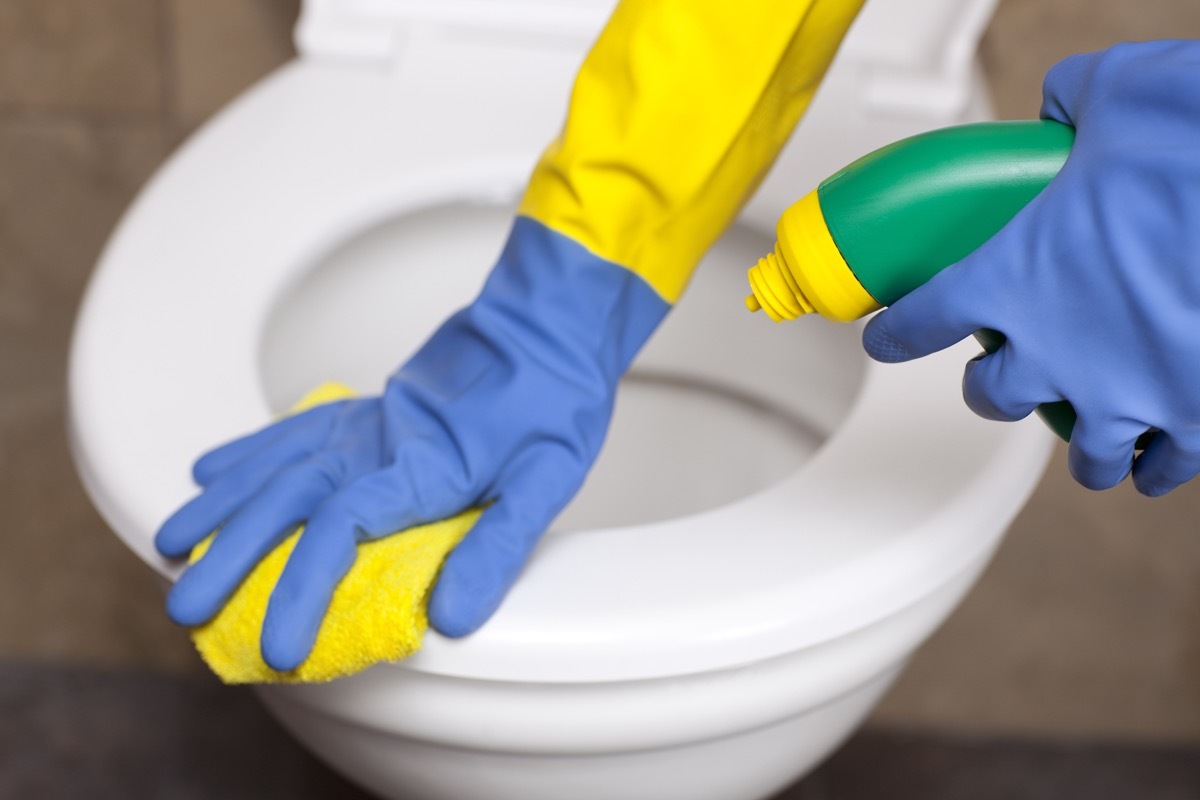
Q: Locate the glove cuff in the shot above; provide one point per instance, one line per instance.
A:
(557, 300)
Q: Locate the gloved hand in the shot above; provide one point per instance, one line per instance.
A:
(505, 406)
(1096, 283)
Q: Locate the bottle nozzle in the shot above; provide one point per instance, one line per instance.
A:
(775, 290)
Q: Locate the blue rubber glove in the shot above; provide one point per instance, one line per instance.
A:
(1096, 283)
(505, 406)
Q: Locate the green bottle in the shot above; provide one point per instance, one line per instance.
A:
(890, 221)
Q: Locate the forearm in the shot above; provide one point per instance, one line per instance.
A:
(676, 115)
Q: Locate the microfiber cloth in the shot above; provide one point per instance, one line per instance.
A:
(377, 612)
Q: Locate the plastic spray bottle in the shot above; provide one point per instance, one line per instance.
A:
(890, 221)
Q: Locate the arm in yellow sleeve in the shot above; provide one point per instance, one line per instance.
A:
(676, 115)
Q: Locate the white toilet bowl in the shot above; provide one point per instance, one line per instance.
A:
(774, 526)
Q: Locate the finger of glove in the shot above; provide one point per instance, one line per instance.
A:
(1166, 463)
(209, 510)
(322, 557)
(1061, 88)
(483, 567)
(930, 318)
(278, 442)
(995, 387)
(290, 498)
(1100, 454)
(378, 504)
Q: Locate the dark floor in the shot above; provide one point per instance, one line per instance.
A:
(70, 733)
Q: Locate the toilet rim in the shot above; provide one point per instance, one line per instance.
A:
(917, 520)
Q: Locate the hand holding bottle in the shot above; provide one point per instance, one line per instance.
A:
(1096, 283)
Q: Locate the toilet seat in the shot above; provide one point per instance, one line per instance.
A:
(872, 523)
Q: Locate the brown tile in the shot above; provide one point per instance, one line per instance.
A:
(220, 47)
(1027, 37)
(1087, 623)
(68, 590)
(63, 184)
(81, 55)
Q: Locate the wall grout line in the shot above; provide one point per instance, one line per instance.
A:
(20, 113)
(168, 51)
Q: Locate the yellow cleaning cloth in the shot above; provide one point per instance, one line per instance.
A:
(377, 612)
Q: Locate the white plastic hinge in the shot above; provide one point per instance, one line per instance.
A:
(938, 82)
(375, 31)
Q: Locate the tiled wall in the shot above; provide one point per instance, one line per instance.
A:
(1087, 623)
(93, 95)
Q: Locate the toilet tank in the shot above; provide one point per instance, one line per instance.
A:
(906, 66)
(916, 53)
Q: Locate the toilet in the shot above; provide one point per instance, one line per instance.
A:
(775, 524)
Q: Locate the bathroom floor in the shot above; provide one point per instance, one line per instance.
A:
(1072, 670)
(74, 732)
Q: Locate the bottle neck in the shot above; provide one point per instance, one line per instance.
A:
(806, 272)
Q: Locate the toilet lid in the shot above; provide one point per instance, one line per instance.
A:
(911, 491)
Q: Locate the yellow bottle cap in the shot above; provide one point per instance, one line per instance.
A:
(806, 271)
